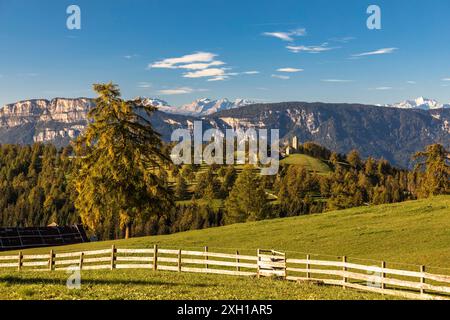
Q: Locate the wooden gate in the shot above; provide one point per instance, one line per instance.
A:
(271, 263)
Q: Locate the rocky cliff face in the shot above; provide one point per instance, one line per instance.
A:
(60, 120)
(45, 120)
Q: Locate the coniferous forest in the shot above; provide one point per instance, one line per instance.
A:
(36, 190)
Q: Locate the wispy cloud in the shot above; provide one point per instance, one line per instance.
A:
(199, 64)
(311, 49)
(176, 63)
(218, 78)
(376, 52)
(131, 56)
(251, 72)
(144, 85)
(411, 82)
(342, 39)
(205, 73)
(181, 90)
(279, 76)
(289, 70)
(336, 80)
(286, 36)
(383, 88)
(446, 79)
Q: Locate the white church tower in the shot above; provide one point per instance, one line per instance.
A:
(295, 143)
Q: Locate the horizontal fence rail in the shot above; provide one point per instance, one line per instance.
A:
(266, 263)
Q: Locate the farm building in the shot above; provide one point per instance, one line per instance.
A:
(14, 238)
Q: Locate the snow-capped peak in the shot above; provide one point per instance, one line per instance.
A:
(206, 106)
(419, 103)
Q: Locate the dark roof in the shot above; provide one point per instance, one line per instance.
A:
(14, 238)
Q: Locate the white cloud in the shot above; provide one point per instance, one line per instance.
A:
(286, 36)
(219, 78)
(383, 88)
(376, 52)
(279, 76)
(174, 63)
(289, 70)
(336, 80)
(213, 72)
(310, 49)
(131, 56)
(144, 85)
(280, 35)
(201, 66)
(446, 79)
(251, 72)
(411, 82)
(181, 90)
(343, 39)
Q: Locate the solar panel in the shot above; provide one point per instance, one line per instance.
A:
(33, 237)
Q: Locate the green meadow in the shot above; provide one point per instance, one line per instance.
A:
(404, 235)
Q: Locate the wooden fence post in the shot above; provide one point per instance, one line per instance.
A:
(20, 261)
(422, 279)
(344, 269)
(51, 260)
(206, 257)
(237, 261)
(285, 267)
(81, 260)
(308, 275)
(155, 257)
(113, 257)
(257, 261)
(179, 260)
(383, 274)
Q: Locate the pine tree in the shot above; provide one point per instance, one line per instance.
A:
(120, 163)
(181, 188)
(247, 200)
(433, 170)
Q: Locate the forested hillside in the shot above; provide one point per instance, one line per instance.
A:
(36, 190)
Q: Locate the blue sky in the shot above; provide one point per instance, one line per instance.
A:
(262, 50)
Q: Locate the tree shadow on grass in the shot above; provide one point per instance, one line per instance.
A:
(15, 280)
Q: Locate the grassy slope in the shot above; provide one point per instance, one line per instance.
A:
(310, 163)
(416, 232)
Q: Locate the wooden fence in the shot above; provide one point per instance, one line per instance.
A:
(266, 263)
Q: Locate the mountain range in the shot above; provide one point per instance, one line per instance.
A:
(419, 103)
(392, 133)
(199, 107)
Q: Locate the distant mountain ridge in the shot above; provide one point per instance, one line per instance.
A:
(419, 103)
(199, 107)
(392, 133)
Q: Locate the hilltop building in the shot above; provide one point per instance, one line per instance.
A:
(293, 146)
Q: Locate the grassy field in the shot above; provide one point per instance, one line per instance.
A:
(405, 235)
(310, 163)
(145, 284)
(414, 232)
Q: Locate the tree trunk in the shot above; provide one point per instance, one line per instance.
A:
(128, 231)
